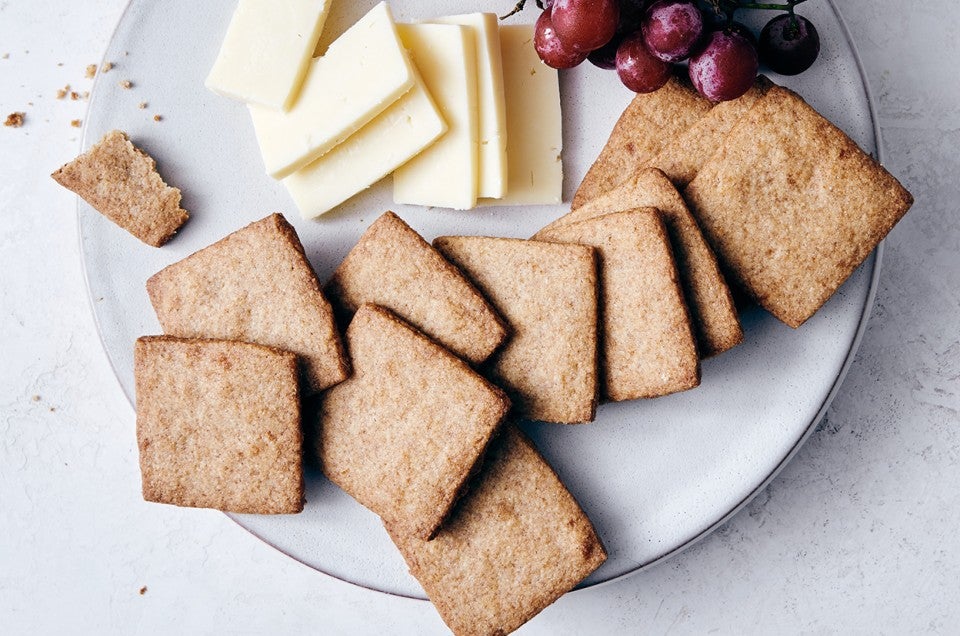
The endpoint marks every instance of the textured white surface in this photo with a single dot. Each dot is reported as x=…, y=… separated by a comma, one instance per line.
x=856, y=535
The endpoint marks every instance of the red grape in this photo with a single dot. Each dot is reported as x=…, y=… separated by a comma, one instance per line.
x=551, y=50
x=726, y=67
x=585, y=25
x=638, y=69
x=789, y=44
x=672, y=28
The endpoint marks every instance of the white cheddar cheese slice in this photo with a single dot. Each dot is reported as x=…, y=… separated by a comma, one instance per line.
x=364, y=71
x=445, y=174
x=391, y=139
x=267, y=50
x=534, y=123
x=492, y=180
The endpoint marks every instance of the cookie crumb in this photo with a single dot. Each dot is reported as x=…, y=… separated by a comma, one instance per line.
x=126, y=84
x=86, y=95
x=142, y=105
x=107, y=66
x=157, y=118
x=35, y=398
x=75, y=123
x=63, y=92
x=143, y=590
x=14, y=120
x=74, y=95
x=53, y=409
x=91, y=71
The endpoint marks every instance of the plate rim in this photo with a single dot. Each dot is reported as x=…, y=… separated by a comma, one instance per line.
x=866, y=312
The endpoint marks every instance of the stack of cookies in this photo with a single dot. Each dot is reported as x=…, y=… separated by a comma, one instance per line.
x=789, y=204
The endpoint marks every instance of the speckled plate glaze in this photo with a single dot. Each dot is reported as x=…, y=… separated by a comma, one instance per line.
x=654, y=476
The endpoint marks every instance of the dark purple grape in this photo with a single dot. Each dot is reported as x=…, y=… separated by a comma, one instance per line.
x=672, y=28
x=638, y=69
x=549, y=47
x=725, y=68
x=606, y=56
x=742, y=29
x=789, y=44
x=631, y=15
x=585, y=25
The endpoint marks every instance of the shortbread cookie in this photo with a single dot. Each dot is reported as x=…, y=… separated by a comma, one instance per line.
x=547, y=293
x=403, y=434
x=255, y=285
x=121, y=182
x=218, y=425
x=792, y=206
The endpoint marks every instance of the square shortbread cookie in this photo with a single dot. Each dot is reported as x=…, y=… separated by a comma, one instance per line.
x=218, y=425
x=648, y=346
x=392, y=266
x=515, y=543
x=255, y=285
x=792, y=206
x=711, y=304
x=403, y=434
x=547, y=292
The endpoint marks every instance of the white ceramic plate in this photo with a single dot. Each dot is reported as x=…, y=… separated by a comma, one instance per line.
x=654, y=476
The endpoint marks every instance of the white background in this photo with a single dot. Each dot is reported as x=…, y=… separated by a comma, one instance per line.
x=857, y=535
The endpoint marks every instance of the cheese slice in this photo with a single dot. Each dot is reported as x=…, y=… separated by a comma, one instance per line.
x=492, y=180
x=364, y=71
x=534, y=122
x=445, y=174
x=394, y=136
x=267, y=50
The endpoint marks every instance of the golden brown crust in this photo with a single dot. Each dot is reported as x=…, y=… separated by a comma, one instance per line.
x=648, y=124
x=792, y=206
x=708, y=297
x=682, y=158
x=254, y=285
x=403, y=434
x=218, y=425
x=648, y=346
x=548, y=294
x=515, y=544
x=121, y=182
x=392, y=266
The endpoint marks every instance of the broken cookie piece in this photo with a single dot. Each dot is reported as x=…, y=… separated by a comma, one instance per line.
x=121, y=182
x=218, y=425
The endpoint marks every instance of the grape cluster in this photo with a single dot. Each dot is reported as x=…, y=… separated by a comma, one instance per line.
x=643, y=39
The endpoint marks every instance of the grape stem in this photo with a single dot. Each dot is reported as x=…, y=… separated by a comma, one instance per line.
x=517, y=8
x=729, y=6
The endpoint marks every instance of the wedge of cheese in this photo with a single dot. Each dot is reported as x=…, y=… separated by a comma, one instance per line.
x=391, y=139
x=364, y=71
x=267, y=50
x=534, y=123
x=492, y=180
x=445, y=174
